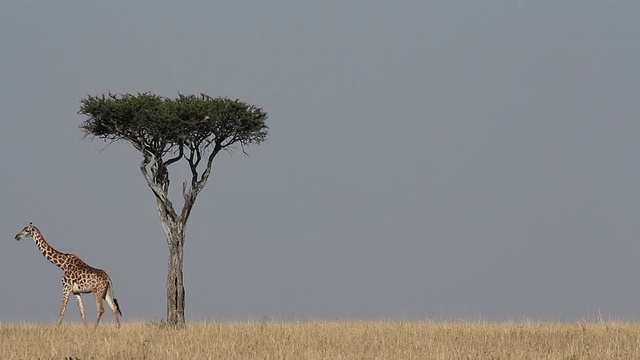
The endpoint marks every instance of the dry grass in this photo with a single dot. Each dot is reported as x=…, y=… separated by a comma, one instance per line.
x=325, y=340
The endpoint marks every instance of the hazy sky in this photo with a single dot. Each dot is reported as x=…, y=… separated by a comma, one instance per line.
x=426, y=160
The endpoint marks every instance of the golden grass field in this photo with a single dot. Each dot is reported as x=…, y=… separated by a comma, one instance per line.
x=325, y=340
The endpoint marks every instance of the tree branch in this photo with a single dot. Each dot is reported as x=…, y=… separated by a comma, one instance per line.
x=205, y=175
x=158, y=190
x=177, y=157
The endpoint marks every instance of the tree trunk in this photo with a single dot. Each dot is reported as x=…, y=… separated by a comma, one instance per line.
x=174, y=229
x=175, y=225
x=175, y=286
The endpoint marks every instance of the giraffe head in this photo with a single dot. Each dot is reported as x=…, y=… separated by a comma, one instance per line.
x=27, y=231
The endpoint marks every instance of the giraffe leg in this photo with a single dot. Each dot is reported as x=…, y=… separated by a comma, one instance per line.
x=65, y=298
x=100, y=307
x=79, y=301
x=113, y=305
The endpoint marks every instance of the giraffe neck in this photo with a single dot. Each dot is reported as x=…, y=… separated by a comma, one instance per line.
x=54, y=256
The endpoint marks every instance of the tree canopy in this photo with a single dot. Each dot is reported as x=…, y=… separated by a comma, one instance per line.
x=159, y=124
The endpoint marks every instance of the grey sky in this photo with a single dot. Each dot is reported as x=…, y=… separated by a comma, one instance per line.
x=426, y=159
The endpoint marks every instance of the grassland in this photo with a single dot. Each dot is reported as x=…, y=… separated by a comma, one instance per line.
x=325, y=340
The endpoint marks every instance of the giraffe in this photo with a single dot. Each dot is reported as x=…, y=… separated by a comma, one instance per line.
x=78, y=278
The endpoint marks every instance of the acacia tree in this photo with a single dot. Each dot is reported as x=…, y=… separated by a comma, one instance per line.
x=189, y=128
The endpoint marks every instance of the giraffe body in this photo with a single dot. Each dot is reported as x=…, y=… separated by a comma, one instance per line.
x=78, y=278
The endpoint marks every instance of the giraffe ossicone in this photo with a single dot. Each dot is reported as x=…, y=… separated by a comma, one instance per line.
x=78, y=277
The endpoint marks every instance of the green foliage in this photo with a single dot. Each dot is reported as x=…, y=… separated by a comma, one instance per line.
x=162, y=124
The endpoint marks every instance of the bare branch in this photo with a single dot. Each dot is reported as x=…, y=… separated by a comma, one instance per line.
x=184, y=190
x=242, y=147
x=161, y=192
x=205, y=175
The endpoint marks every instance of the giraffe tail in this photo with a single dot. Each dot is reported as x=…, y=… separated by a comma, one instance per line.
x=115, y=301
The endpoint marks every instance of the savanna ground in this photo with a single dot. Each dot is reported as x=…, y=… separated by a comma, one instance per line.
x=325, y=340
